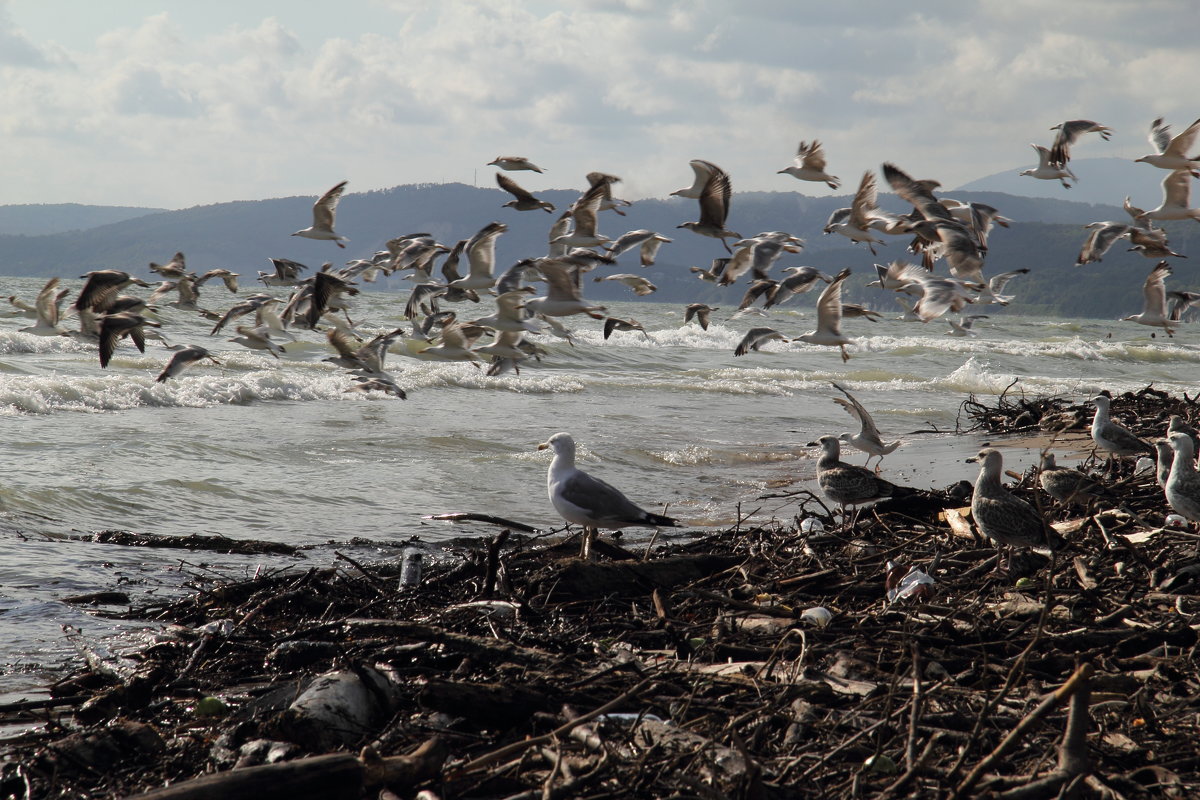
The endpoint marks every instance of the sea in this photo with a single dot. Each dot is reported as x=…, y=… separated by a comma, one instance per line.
x=278, y=450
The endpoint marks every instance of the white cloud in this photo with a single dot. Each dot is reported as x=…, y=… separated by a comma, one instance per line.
x=253, y=109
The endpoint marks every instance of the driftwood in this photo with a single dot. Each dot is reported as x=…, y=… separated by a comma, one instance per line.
x=586, y=580
x=698, y=668
x=338, y=776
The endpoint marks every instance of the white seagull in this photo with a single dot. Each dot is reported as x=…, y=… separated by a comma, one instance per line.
x=324, y=212
x=809, y=165
x=829, y=317
x=514, y=163
x=1154, y=306
x=867, y=439
x=1047, y=171
x=1172, y=152
x=1176, y=203
x=583, y=500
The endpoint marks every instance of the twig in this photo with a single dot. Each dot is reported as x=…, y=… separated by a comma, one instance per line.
x=517, y=747
x=1076, y=681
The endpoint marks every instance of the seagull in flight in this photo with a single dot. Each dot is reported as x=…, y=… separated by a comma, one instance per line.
x=809, y=165
x=1171, y=152
x=324, y=212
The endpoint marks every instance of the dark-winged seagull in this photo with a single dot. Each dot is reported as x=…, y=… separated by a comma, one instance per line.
x=1005, y=519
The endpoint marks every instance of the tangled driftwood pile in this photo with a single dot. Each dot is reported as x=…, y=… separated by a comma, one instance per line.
x=703, y=669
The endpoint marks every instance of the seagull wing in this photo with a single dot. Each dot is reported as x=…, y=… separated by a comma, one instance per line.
x=1177, y=188
x=856, y=410
x=829, y=305
x=714, y=198
x=325, y=209
x=1154, y=290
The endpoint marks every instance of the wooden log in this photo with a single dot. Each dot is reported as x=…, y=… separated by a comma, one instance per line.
x=584, y=580
x=336, y=776
x=489, y=704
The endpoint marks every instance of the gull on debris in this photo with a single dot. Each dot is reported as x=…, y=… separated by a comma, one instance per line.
x=584, y=500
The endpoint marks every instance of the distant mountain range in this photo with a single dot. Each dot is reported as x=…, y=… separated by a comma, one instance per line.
x=38, y=220
x=1045, y=236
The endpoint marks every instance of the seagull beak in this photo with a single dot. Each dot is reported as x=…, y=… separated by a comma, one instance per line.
x=544, y=446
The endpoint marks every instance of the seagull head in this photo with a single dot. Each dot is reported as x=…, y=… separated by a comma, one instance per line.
x=561, y=443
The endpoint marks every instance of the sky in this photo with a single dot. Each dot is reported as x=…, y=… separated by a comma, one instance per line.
x=177, y=104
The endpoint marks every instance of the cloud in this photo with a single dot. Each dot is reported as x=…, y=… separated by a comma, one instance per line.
x=636, y=88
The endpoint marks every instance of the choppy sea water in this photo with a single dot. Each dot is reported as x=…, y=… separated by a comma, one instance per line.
x=277, y=450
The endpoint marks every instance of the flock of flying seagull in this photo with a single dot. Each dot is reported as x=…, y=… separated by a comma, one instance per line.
x=956, y=232
x=941, y=229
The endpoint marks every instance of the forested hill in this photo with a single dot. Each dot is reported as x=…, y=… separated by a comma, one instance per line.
x=1045, y=236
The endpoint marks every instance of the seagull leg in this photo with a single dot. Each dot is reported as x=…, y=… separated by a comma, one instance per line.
x=585, y=547
x=845, y=355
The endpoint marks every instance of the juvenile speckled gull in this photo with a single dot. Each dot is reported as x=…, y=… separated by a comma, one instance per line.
x=847, y=484
x=1067, y=485
x=1108, y=435
x=1001, y=517
x=584, y=500
x=1183, y=486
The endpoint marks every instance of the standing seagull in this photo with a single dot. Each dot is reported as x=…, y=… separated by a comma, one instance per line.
x=714, y=204
x=809, y=165
x=829, y=318
x=1154, y=304
x=1001, y=517
x=867, y=439
x=588, y=501
x=1108, y=435
x=1183, y=486
x=182, y=359
x=1067, y=485
x=850, y=485
x=324, y=212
